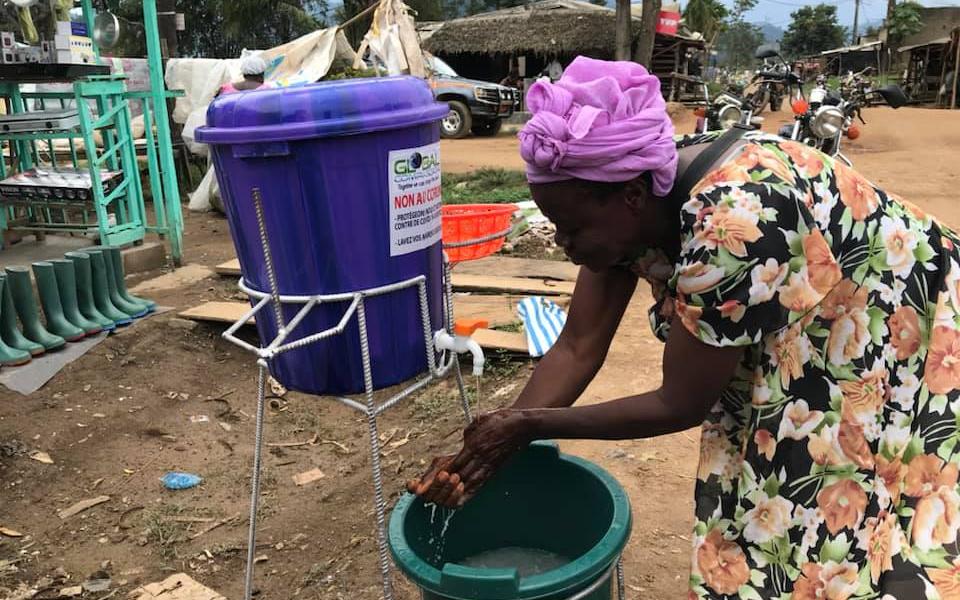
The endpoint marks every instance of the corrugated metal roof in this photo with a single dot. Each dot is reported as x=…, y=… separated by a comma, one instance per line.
x=936, y=42
x=845, y=49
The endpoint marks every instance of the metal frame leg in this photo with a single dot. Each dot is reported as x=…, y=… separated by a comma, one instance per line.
x=255, y=491
x=380, y=504
x=464, y=400
x=448, y=300
x=621, y=590
x=369, y=408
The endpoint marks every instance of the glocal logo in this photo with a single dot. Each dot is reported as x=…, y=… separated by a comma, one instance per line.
x=415, y=162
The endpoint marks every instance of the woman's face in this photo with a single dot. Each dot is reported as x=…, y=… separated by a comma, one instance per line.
x=598, y=226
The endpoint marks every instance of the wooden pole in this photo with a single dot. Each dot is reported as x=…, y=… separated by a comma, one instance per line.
x=624, y=31
x=856, y=21
x=359, y=16
x=648, y=33
x=956, y=68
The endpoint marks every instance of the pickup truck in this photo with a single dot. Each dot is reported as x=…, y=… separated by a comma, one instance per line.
x=475, y=106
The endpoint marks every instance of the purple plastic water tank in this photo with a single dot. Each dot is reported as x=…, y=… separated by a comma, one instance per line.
x=349, y=172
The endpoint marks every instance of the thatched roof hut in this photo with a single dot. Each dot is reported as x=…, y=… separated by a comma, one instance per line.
x=485, y=45
x=552, y=27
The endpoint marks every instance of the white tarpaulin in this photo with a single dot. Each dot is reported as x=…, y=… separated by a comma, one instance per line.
x=393, y=41
x=304, y=60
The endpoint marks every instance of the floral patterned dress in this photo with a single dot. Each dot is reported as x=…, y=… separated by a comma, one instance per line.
x=828, y=469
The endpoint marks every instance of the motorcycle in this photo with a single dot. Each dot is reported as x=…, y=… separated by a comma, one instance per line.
x=826, y=116
x=773, y=81
x=722, y=112
x=857, y=86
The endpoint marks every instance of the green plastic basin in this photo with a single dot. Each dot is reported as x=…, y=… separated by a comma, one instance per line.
x=541, y=500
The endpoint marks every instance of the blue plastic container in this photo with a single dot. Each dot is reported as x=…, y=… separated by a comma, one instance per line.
x=349, y=173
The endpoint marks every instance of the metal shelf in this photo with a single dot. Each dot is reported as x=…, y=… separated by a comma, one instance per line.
x=49, y=72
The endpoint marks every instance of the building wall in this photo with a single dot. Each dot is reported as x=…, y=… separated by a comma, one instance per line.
x=938, y=22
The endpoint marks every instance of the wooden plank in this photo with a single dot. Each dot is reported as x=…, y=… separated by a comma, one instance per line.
x=491, y=339
x=231, y=268
x=218, y=312
x=176, y=587
x=508, y=266
x=515, y=285
x=230, y=312
x=81, y=506
x=498, y=310
x=504, y=266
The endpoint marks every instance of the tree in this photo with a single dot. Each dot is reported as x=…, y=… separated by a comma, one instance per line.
x=905, y=20
x=812, y=30
x=624, y=33
x=648, y=32
x=346, y=11
x=707, y=17
x=427, y=10
x=739, y=40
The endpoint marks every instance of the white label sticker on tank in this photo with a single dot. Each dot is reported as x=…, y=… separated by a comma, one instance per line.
x=414, y=176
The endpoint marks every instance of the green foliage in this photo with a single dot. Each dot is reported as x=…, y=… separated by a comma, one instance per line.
x=705, y=16
x=905, y=20
x=741, y=8
x=738, y=40
x=346, y=11
x=41, y=19
x=485, y=186
x=350, y=73
x=214, y=28
x=812, y=30
x=427, y=10
x=262, y=24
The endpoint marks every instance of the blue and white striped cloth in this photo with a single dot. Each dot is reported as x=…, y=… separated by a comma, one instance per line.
x=543, y=320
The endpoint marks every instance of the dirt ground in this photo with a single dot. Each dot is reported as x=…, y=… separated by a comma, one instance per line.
x=116, y=420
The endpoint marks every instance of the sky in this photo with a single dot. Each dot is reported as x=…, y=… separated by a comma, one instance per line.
x=777, y=12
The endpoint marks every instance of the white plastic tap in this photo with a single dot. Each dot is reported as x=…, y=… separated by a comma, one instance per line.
x=461, y=342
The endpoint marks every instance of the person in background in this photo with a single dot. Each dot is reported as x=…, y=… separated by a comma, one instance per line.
x=512, y=79
x=554, y=70
x=253, y=68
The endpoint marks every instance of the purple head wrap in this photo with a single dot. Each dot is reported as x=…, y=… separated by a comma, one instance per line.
x=602, y=121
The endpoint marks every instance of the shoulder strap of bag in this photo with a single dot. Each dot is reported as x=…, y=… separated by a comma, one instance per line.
x=704, y=161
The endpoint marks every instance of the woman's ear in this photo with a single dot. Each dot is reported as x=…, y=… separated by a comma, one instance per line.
x=636, y=192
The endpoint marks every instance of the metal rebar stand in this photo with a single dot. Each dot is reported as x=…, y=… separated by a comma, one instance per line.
x=437, y=367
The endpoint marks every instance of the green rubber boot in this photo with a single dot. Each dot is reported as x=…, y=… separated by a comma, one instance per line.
x=67, y=285
x=18, y=280
x=133, y=310
x=8, y=323
x=120, y=276
x=88, y=307
x=101, y=291
x=11, y=356
x=57, y=322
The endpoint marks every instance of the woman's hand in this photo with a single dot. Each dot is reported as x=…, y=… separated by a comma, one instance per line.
x=487, y=443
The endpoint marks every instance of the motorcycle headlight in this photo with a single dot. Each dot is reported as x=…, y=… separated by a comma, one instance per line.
x=729, y=116
x=827, y=122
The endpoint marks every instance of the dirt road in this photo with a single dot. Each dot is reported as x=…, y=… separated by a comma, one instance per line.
x=118, y=418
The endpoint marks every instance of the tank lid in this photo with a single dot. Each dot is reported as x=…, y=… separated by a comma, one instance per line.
x=327, y=109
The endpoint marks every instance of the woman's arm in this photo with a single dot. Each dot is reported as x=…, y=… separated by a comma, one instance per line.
x=598, y=303
x=694, y=376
